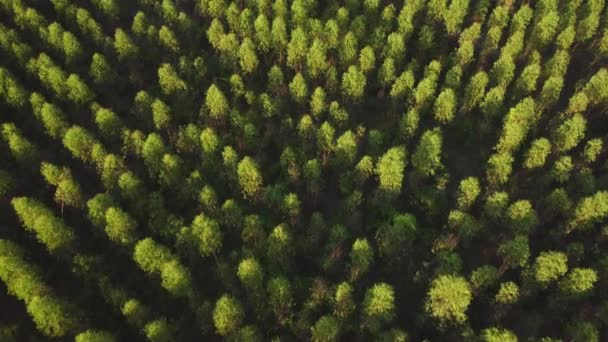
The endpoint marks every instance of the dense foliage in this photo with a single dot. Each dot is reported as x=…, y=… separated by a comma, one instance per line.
x=290, y=170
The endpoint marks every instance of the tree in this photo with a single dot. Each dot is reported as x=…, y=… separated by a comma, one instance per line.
x=483, y=277
x=394, y=235
x=49, y=229
x=207, y=235
x=515, y=252
x=342, y=301
x=537, y=154
x=516, y=126
x=468, y=190
x=445, y=106
x=589, y=210
x=499, y=168
x=583, y=331
x=168, y=40
x=427, y=157
x=521, y=217
x=297, y=47
x=51, y=316
x=549, y=267
x=390, y=168
x=448, y=299
x=280, y=298
x=216, y=103
x=378, y=306
x=298, y=89
x=361, y=258
x=251, y=274
x=176, y=278
x=508, y=293
x=79, y=142
x=158, y=331
x=250, y=178
x=247, y=57
x=120, y=226
x=101, y=71
x=22, y=149
x=570, y=133
x=108, y=122
x=150, y=255
x=327, y=328
x=498, y=335
x=124, y=45
x=593, y=148
x=578, y=282
x=77, y=91
x=316, y=60
x=169, y=80
x=353, y=83
x=279, y=248
x=561, y=169
x=94, y=336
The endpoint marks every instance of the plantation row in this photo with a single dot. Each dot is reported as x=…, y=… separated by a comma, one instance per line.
x=281, y=170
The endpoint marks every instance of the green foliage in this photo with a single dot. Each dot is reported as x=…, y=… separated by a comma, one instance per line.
x=94, y=336
x=537, y=154
x=51, y=316
x=508, y=293
x=448, y=299
x=378, y=306
x=254, y=152
x=427, y=157
x=49, y=229
x=498, y=334
x=250, y=177
x=468, y=190
x=390, y=168
x=120, y=226
x=327, y=328
x=549, y=267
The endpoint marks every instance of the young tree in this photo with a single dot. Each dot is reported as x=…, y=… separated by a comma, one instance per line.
x=251, y=274
x=250, y=178
x=445, y=106
x=537, y=154
x=206, y=235
x=120, y=226
x=353, y=83
x=101, y=71
x=514, y=253
x=22, y=149
x=474, y=91
x=94, y=336
x=49, y=229
x=498, y=335
x=125, y=48
x=390, y=168
x=570, y=133
x=169, y=80
x=361, y=258
x=298, y=89
x=499, y=168
x=378, y=306
x=393, y=236
x=280, y=298
x=448, y=299
x=216, y=103
x=327, y=328
x=427, y=157
x=549, y=267
x=468, y=191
